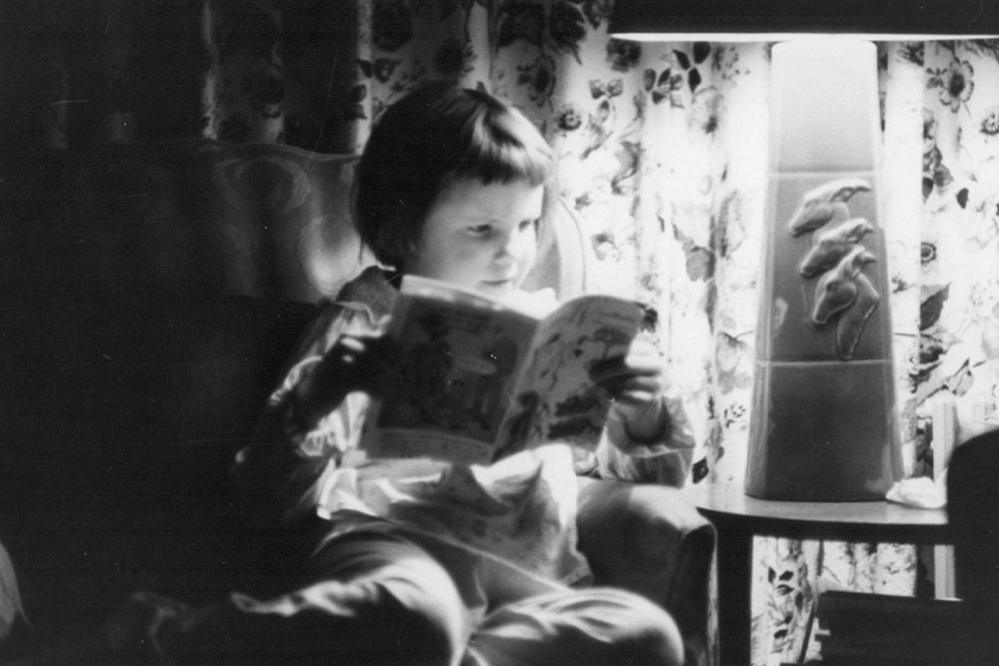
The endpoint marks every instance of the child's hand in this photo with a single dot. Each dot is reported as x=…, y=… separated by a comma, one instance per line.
x=354, y=363
x=635, y=383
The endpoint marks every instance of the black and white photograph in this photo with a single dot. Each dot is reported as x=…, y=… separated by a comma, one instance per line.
x=234, y=431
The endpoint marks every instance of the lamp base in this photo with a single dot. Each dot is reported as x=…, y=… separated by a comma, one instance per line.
x=823, y=432
x=823, y=422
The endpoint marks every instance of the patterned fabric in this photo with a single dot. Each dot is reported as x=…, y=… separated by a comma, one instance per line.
x=245, y=98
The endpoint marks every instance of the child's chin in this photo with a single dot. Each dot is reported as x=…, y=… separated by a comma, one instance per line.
x=537, y=304
x=497, y=290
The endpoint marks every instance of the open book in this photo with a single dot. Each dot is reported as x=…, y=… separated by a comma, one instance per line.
x=480, y=380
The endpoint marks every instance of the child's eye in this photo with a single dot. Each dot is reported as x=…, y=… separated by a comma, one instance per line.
x=480, y=229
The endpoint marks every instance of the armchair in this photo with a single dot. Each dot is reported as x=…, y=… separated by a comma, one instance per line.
x=973, y=511
x=147, y=319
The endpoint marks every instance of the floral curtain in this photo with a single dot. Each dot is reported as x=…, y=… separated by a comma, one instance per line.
x=661, y=154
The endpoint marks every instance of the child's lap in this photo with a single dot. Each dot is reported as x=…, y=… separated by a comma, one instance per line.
x=375, y=548
x=507, y=614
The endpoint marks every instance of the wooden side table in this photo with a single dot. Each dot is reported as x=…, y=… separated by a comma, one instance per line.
x=738, y=518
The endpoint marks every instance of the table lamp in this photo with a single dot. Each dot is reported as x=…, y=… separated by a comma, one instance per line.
x=823, y=425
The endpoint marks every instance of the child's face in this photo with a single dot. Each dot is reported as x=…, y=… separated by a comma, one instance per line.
x=481, y=237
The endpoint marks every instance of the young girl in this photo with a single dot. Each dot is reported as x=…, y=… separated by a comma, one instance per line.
x=424, y=561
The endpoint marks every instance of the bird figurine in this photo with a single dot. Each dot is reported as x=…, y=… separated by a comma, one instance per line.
x=837, y=289
x=825, y=204
x=830, y=245
x=850, y=325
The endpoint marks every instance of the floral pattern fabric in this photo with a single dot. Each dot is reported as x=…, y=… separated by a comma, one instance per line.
x=662, y=150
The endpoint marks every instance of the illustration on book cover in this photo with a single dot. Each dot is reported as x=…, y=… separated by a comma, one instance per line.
x=480, y=380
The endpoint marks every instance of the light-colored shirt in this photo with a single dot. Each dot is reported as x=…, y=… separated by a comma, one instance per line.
x=521, y=508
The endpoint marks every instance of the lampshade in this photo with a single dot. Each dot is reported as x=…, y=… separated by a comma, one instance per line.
x=776, y=20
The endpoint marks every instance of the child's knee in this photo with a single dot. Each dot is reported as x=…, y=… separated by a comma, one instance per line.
x=412, y=611
x=423, y=634
x=427, y=611
x=635, y=630
x=395, y=589
x=389, y=602
x=650, y=635
x=388, y=621
x=594, y=626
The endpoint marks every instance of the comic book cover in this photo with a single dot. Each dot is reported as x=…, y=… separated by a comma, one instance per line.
x=480, y=380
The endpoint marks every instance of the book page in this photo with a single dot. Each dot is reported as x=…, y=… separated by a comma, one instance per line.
x=460, y=354
x=556, y=400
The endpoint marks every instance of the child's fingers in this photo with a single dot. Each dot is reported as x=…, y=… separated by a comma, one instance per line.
x=642, y=358
x=348, y=349
x=355, y=362
x=620, y=366
x=613, y=371
x=633, y=388
x=635, y=399
x=369, y=351
x=633, y=384
x=636, y=381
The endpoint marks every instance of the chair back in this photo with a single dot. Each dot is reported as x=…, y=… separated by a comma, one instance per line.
x=973, y=510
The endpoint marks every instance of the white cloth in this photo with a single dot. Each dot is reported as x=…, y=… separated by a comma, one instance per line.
x=920, y=492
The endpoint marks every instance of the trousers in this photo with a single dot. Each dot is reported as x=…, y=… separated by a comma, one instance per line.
x=388, y=597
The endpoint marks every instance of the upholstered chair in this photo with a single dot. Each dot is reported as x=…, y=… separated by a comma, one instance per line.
x=154, y=312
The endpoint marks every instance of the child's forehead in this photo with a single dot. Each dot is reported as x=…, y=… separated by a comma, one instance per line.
x=472, y=187
x=471, y=196
x=477, y=182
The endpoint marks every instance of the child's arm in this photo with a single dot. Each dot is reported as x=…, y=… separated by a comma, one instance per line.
x=355, y=362
x=647, y=437
x=296, y=442
x=635, y=382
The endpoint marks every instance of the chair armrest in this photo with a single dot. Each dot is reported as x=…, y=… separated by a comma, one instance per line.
x=651, y=540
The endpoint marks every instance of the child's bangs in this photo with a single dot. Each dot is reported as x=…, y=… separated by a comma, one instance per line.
x=507, y=149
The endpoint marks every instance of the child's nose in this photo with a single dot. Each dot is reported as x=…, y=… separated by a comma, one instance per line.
x=513, y=243
x=507, y=246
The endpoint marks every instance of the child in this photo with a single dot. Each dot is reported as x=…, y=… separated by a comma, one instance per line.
x=418, y=561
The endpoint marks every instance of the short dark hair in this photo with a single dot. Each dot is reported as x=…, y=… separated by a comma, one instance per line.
x=436, y=134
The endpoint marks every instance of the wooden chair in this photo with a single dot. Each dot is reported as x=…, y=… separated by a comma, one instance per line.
x=973, y=510
x=874, y=630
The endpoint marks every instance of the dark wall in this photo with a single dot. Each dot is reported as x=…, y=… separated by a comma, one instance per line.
x=180, y=68
x=90, y=58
